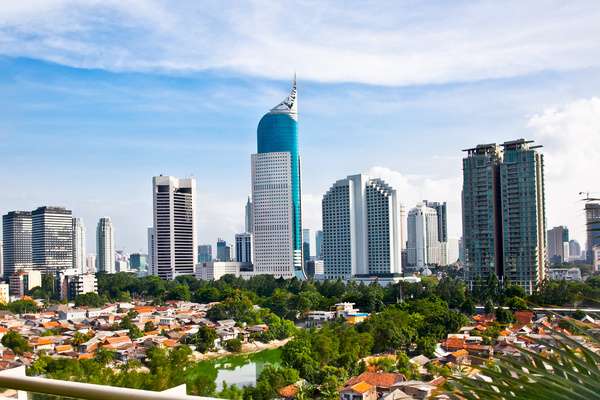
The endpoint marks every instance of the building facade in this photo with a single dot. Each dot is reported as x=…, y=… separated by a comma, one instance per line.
x=306, y=244
x=276, y=200
x=504, y=223
x=361, y=229
x=224, y=251
x=558, y=245
x=175, y=243
x=215, y=270
x=105, y=246
x=79, y=245
x=52, y=239
x=423, y=247
x=574, y=250
x=139, y=263
x=248, y=216
x=243, y=248
x=204, y=253
x=16, y=242
x=319, y=244
x=592, y=227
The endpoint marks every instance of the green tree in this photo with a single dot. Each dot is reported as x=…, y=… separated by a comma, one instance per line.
x=14, y=341
x=204, y=339
x=504, y=316
x=233, y=345
x=89, y=300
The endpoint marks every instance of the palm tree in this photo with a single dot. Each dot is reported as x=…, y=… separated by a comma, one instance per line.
x=566, y=370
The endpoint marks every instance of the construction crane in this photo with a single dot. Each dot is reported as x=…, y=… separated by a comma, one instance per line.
x=587, y=198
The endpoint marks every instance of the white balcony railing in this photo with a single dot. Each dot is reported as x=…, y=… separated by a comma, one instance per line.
x=16, y=378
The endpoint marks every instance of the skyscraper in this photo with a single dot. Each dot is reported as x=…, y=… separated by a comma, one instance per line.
x=139, y=262
x=248, y=216
x=204, y=253
x=175, y=249
x=16, y=242
x=558, y=245
x=52, y=239
x=105, y=246
x=442, y=218
x=574, y=250
x=224, y=251
x=306, y=244
x=319, y=244
x=243, y=248
x=276, y=189
x=361, y=228
x=151, y=270
x=1, y=258
x=79, y=246
x=592, y=224
x=504, y=222
x=423, y=247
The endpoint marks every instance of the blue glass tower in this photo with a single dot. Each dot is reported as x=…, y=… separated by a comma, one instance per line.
x=278, y=132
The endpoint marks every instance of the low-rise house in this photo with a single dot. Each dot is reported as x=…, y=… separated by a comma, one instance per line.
x=383, y=381
x=417, y=389
x=72, y=314
x=359, y=391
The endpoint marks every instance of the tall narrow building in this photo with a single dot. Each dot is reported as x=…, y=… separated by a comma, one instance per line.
x=79, y=246
x=558, y=245
x=204, y=253
x=16, y=242
x=248, y=216
x=361, y=229
x=592, y=225
x=175, y=248
x=306, y=244
x=442, y=218
x=504, y=219
x=52, y=239
x=423, y=247
x=105, y=246
x=151, y=242
x=276, y=200
x=319, y=244
x=224, y=251
x=243, y=248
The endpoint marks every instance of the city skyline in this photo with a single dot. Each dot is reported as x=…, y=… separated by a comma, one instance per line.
x=114, y=122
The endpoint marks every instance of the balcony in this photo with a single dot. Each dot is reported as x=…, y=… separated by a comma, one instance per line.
x=16, y=379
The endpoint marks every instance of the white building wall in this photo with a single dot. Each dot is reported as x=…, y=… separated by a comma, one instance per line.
x=105, y=246
x=79, y=261
x=423, y=246
x=272, y=214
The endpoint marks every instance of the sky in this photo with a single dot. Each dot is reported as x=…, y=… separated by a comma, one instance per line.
x=96, y=97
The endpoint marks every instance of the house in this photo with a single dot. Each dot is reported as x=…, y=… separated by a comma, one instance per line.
x=72, y=314
x=317, y=318
x=383, y=381
x=359, y=391
x=459, y=357
x=417, y=389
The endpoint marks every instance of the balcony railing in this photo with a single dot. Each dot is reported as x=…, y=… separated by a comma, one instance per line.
x=16, y=378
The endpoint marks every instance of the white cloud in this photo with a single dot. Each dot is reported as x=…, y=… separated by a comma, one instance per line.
x=570, y=135
x=379, y=43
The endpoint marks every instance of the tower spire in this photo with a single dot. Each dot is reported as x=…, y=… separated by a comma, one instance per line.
x=290, y=103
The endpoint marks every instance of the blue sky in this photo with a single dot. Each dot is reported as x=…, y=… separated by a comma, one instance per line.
x=97, y=97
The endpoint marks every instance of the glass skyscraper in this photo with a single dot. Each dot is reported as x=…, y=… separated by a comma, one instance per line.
x=277, y=185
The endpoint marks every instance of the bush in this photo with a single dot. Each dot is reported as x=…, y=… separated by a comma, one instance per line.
x=233, y=345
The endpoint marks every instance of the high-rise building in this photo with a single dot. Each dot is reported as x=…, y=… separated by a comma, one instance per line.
x=175, y=249
x=481, y=212
x=361, y=229
x=558, y=244
x=306, y=244
x=1, y=258
x=79, y=245
x=504, y=223
x=592, y=224
x=224, y=251
x=442, y=218
x=276, y=201
x=243, y=248
x=105, y=246
x=204, y=253
x=248, y=216
x=319, y=245
x=574, y=250
x=423, y=247
x=403, y=229
x=139, y=262
x=16, y=242
x=52, y=239
x=150, y=234
x=90, y=263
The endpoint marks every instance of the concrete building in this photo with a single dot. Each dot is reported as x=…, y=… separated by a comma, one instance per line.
x=423, y=247
x=276, y=201
x=596, y=258
x=150, y=235
x=175, y=242
x=4, y=293
x=442, y=218
x=52, y=239
x=139, y=262
x=306, y=244
x=105, y=246
x=21, y=282
x=314, y=268
x=204, y=253
x=70, y=283
x=558, y=245
x=16, y=242
x=319, y=244
x=224, y=251
x=214, y=270
x=450, y=252
x=90, y=264
x=592, y=224
x=574, y=250
x=243, y=248
x=564, y=274
x=504, y=220
x=1, y=258
x=248, y=216
x=361, y=228
x=79, y=245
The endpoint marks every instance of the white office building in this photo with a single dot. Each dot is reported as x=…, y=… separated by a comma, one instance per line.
x=243, y=248
x=52, y=239
x=423, y=247
x=361, y=229
x=79, y=262
x=90, y=264
x=105, y=246
x=175, y=243
x=214, y=270
x=272, y=204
